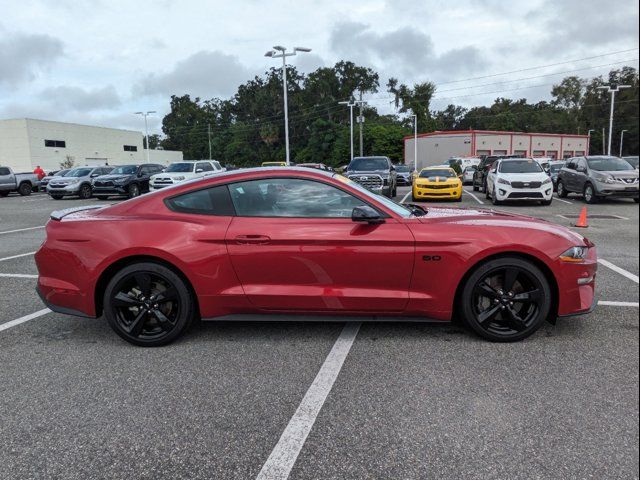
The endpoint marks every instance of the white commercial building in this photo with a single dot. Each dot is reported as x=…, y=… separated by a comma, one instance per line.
x=436, y=148
x=26, y=143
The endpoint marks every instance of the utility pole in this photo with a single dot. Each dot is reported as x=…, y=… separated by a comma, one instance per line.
x=604, y=141
x=283, y=54
x=589, y=136
x=415, y=143
x=612, y=89
x=146, y=128
x=209, y=138
x=361, y=122
x=622, y=140
x=351, y=103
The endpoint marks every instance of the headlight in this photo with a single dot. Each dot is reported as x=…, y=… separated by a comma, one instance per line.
x=604, y=178
x=575, y=255
x=73, y=182
x=547, y=181
x=120, y=181
x=503, y=181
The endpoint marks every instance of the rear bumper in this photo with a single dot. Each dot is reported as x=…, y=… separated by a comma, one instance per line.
x=58, y=309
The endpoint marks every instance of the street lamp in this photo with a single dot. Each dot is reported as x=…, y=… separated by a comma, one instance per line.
x=612, y=89
x=589, y=135
x=283, y=54
x=622, y=140
x=415, y=143
x=146, y=128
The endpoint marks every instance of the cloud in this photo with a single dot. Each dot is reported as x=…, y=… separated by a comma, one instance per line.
x=616, y=23
x=403, y=52
x=204, y=74
x=79, y=99
x=22, y=56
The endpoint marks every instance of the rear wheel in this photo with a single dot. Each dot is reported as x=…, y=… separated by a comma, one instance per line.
x=134, y=190
x=148, y=304
x=562, y=191
x=85, y=191
x=475, y=187
x=494, y=199
x=506, y=299
x=24, y=189
x=590, y=194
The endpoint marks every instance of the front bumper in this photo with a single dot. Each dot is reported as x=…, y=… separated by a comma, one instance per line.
x=112, y=190
x=621, y=190
x=450, y=193
x=63, y=190
x=508, y=193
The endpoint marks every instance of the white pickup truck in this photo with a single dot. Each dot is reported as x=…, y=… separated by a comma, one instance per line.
x=23, y=183
x=186, y=170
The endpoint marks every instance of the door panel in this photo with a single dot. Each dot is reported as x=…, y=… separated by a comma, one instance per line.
x=322, y=264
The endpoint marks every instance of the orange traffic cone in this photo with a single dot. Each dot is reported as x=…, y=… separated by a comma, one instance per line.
x=582, y=221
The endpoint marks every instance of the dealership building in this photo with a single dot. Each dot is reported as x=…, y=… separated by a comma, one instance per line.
x=437, y=147
x=26, y=143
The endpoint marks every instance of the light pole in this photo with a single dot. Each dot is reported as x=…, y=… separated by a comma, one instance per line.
x=415, y=143
x=283, y=54
x=622, y=140
x=589, y=136
x=604, y=141
x=146, y=128
x=351, y=103
x=612, y=89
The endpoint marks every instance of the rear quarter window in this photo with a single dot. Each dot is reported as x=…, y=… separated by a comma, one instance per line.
x=209, y=201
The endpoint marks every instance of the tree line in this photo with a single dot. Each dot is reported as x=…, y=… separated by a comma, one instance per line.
x=248, y=128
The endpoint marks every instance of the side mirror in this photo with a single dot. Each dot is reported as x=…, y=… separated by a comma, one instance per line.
x=393, y=168
x=366, y=214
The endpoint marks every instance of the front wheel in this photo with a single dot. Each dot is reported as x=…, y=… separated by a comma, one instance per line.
x=85, y=192
x=590, y=194
x=506, y=300
x=56, y=197
x=546, y=203
x=562, y=191
x=134, y=190
x=148, y=304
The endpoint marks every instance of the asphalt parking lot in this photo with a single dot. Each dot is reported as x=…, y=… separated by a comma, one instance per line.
x=410, y=400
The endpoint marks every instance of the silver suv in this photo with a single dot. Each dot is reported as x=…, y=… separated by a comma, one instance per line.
x=76, y=181
x=598, y=177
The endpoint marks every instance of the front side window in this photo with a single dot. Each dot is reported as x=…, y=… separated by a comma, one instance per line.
x=520, y=166
x=4, y=171
x=204, y=166
x=180, y=167
x=288, y=197
x=208, y=201
x=79, y=172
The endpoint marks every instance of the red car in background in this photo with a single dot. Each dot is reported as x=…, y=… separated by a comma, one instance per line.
x=305, y=242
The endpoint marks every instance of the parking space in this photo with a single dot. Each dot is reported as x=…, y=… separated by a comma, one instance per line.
x=410, y=401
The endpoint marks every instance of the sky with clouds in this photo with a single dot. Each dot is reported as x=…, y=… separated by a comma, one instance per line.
x=97, y=61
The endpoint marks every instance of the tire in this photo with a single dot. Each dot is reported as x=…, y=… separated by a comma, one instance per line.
x=475, y=187
x=24, y=189
x=102, y=197
x=546, y=203
x=561, y=190
x=637, y=200
x=136, y=310
x=506, y=299
x=85, y=191
x=4, y=194
x=57, y=197
x=590, y=194
x=133, y=190
x=483, y=187
x=494, y=200
x=459, y=199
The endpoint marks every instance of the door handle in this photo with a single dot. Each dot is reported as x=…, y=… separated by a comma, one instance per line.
x=252, y=240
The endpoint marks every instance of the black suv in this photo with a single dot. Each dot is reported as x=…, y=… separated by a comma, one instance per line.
x=374, y=173
x=480, y=175
x=129, y=180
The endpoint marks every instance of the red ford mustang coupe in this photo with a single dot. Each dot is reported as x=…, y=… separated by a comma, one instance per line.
x=305, y=242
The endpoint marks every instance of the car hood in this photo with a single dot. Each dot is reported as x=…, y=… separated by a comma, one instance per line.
x=172, y=174
x=619, y=173
x=497, y=219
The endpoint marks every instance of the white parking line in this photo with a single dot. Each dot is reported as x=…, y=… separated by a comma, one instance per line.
x=619, y=270
x=17, y=275
x=26, y=318
x=476, y=198
x=16, y=256
x=405, y=197
x=619, y=304
x=21, y=229
x=561, y=200
x=279, y=464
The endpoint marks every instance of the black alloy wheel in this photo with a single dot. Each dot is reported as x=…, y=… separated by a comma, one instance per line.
x=134, y=190
x=85, y=191
x=506, y=300
x=148, y=304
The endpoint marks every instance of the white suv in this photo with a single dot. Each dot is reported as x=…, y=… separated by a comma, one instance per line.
x=519, y=179
x=178, y=172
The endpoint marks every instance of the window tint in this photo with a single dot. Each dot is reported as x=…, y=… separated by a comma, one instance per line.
x=4, y=171
x=209, y=201
x=369, y=164
x=287, y=197
x=204, y=166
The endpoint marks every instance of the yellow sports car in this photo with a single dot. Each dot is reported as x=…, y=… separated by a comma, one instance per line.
x=274, y=164
x=437, y=182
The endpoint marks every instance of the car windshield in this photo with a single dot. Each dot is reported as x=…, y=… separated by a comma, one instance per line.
x=556, y=167
x=180, y=167
x=369, y=164
x=61, y=173
x=444, y=172
x=633, y=161
x=401, y=210
x=608, y=164
x=79, y=172
x=402, y=169
x=124, y=170
x=520, y=166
